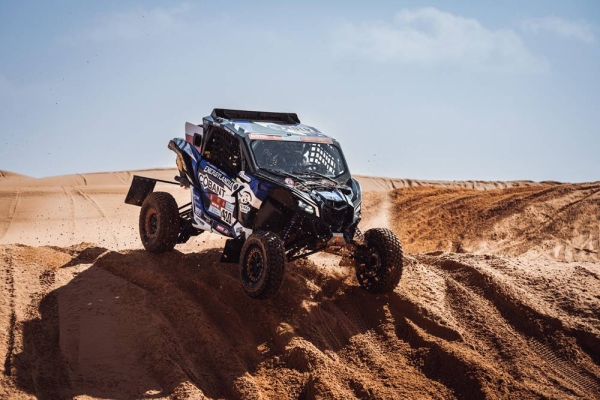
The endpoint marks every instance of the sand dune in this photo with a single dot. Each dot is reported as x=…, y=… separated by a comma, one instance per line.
x=8, y=175
x=487, y=307
x=371, y=183
x=546, y=221
x=66, y=210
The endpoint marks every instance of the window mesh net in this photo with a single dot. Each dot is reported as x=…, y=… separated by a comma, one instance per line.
x=223, y=150
x=325, y=155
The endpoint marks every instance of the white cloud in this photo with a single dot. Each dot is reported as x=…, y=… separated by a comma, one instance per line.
x=428, y=36
x=138, y=23
x=579, y=30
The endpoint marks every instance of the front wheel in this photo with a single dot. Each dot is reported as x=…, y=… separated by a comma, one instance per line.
x=262, y=265
x=379, y=266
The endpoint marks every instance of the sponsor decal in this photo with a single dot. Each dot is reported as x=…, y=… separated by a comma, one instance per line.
x=217, y=201
x=333, y=196
x=245, y=208
x=245, y=197
x=222, y=229
x=303, y=129
x=201, y=219
x=260, y=136
x=212, y=186
x=214, y=210
x=222, y=208
x=310, y=139
x=219, y=176
x=205, y=218
x=197, y=203
x=238, y=230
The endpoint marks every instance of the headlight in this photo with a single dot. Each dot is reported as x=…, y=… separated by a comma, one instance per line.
x=306, y=207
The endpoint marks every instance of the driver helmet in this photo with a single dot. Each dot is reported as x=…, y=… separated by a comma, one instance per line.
x=292, y=152
x=278, y=153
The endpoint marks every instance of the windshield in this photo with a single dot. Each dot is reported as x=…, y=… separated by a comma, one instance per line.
x=299, y=158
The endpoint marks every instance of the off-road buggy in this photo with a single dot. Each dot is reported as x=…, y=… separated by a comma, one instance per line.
x=278, y=189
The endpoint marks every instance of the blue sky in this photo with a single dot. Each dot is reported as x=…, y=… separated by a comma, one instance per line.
x=427, y=90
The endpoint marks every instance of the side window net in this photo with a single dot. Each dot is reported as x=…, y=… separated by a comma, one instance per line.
x=223, y=150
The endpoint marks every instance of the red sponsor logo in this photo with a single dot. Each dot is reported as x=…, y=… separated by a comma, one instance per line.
x=222, y=229
x=217, y=201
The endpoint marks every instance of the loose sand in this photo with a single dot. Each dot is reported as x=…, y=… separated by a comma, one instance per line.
x=500, y=298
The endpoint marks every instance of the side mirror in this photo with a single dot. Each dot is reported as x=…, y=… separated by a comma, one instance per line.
x=197, y=139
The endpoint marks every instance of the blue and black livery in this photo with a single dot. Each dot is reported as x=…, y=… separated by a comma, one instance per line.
x=277, y=188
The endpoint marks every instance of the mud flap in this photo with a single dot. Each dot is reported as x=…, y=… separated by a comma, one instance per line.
x=232, y=250
x=186, y=230
x=140, y=188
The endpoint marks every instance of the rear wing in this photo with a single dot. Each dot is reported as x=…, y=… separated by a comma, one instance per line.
x=140, y=188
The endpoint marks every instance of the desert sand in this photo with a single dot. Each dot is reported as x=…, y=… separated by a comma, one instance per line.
x=499, y=298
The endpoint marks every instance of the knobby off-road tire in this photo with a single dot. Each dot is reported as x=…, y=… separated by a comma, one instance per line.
x=159, y=222
x=262, y=265
x=383, y=269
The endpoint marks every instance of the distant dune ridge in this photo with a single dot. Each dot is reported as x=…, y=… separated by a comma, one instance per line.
x=555, y=220
x=4, y=175
x=499, y=298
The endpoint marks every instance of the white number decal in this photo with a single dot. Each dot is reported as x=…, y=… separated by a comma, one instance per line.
x=226, y=216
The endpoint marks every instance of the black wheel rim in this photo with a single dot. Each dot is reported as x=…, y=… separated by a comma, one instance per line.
x=151, y=223
x=370, y=270
x=254, y=266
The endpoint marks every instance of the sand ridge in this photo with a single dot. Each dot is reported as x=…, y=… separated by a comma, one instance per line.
x=543, y=221
x=495, y=300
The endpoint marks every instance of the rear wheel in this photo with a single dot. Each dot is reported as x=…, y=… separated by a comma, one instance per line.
x=262, y=265
x=380, y=266
x=159, y=222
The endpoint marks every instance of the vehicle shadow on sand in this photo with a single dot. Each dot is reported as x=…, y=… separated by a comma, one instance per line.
x=139, y=325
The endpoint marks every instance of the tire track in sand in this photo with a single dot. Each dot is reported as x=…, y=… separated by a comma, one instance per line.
x=71, y=212
x=11, y=214
x=562, y=368
x=100, y=210
x=509, y=313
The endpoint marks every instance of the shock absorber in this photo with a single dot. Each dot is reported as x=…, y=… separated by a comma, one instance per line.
x=288, y=229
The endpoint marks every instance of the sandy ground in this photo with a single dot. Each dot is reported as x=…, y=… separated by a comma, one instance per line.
x=500, y=298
